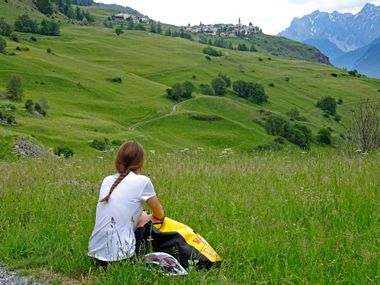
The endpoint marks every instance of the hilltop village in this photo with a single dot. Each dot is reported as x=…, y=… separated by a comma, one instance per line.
x=224, y=30
x=221, y=30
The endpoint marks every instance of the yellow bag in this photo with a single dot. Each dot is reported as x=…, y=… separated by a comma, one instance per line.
x=180, y=241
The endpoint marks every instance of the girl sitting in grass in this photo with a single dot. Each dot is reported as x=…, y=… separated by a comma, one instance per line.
x=120, y=208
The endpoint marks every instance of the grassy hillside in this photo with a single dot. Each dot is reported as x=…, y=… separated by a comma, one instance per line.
x=84, y=105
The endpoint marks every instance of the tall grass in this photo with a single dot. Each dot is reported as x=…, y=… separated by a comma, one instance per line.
x=273, y=218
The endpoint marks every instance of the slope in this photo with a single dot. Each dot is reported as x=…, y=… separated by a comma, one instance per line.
x=85, y=105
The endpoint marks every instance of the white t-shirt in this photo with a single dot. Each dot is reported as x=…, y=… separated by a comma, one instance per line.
x=113, y=236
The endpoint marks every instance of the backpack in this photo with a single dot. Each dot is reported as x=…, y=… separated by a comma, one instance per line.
x=178, y=240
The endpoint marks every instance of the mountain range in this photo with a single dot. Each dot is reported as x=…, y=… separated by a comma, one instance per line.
x=350, y=40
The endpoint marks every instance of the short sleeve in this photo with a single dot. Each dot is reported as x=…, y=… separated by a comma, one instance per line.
x=148, y=191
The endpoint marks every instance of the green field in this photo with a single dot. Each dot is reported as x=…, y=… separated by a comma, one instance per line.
x=274, y=219
x=84, y=105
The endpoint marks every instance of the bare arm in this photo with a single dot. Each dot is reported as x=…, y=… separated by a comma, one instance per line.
x=158, y=211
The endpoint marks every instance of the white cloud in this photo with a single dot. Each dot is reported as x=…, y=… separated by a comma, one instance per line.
x=271, y=15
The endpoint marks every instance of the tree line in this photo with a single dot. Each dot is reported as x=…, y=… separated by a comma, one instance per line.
x=48, y=7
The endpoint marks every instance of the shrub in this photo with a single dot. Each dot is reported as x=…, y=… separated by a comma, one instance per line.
x=41, y=107
x=298, y=134
x=14, y=37
x=64, y=151
x=49, y=28
x=207, y=57
x=253, y=92
x=328, y=104
x=99, y=144
x=25, y=24
x=29, y=105
x=118, y=31
x=206, y=89
x=219, y=86
x=287, y=79
x=188, y=89
x=180, y=92
x=340, y=101
x=15, y=89
x=242, y=47
x=324, y=136
x=5, y=28
x=212, y=52
x=49, y=50
x=253, y=48
x=226, y=79
x=33, y=39
x=204, y=117
x=3, y=45
x=271, y=84
x=115, y=79
x=334, y=75
x=293, y=114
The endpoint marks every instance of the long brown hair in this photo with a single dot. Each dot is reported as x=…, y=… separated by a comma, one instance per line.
x=130, y=157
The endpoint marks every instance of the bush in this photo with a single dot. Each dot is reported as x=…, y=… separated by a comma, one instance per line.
x=324, y=136
x=118, y=31
x=206, y=89
x=219, y=86
x=41, y=107
x=271, y=84
x=328, y=104
x=212, y=52
x=15, y=89
x=63, y=151
x=115, y=80
x=298, y=134
x=293, y=114
x=340, y=101
x=204, y=117
x=5, y=28
x=49, y=50
x=25, y=24
x=334, y=75
x=207, y=57
x=49, y=28
x=242, y=47
x=3, y=45
x=29, y=105
x=180, y=92
x=14, y=37
x=226, y=79
x=33, y=39
x=253, y=92
x=99, y=145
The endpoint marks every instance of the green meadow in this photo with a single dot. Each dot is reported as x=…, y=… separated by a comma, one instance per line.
x=274, y=219
x=288, y=217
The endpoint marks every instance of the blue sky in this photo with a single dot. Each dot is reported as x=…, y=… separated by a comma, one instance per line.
x=272, y=16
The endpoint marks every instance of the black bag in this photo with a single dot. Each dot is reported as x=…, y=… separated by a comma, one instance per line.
x=178, y=240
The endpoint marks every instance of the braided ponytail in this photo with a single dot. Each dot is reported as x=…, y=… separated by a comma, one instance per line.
x=130, y=157
x=114, y=185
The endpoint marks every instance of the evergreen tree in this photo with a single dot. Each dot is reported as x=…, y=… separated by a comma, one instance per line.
x=45, y=7
x=3, y=45
x=15, y=89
